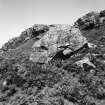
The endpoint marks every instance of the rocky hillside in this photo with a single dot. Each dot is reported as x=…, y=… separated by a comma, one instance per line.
x=55, y=64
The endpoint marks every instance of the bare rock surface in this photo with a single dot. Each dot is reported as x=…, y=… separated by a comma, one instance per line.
x=59, y=37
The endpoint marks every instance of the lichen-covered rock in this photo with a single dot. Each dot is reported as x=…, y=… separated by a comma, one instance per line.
x=59, y=37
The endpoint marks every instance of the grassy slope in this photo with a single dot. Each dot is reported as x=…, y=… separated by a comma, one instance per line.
x=57, y=83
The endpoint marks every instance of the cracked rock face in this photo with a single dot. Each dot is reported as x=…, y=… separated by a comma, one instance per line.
x=58, y=38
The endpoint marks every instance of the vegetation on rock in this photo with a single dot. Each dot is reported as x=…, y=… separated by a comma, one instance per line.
x=74, y=78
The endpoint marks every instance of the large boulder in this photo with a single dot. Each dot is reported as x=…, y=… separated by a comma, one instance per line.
x=58, y=38
x=32, y=32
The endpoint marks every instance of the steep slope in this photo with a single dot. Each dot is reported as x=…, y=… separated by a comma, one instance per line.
x=55, y=64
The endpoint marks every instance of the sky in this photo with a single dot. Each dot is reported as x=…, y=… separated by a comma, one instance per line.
x=18, y=15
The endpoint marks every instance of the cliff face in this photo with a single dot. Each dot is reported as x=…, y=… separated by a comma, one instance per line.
x=55, y=64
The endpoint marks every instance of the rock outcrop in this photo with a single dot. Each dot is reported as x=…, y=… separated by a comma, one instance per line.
x=58, y=38
x=49, y=40
x=55, y=64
